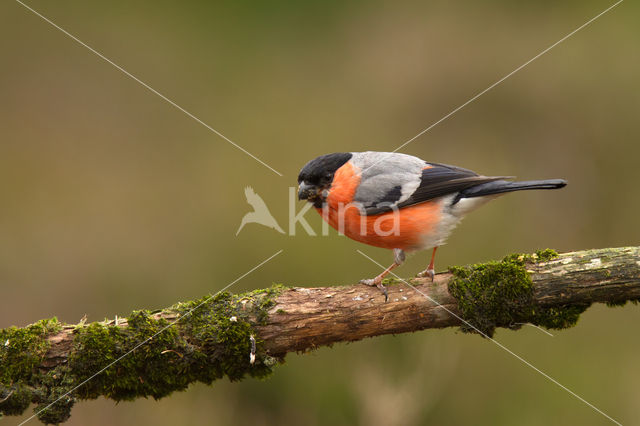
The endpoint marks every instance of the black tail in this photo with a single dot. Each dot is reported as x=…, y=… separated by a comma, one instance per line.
x=501, y=186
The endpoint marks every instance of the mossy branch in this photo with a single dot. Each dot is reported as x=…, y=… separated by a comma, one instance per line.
x=247, y=334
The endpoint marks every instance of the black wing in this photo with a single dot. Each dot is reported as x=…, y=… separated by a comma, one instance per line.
x=437, y=181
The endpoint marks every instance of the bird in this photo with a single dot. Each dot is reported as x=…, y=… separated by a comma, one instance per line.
x=399, y=202
x=260, y=213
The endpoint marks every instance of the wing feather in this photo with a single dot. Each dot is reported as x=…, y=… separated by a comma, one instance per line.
x=436, y=180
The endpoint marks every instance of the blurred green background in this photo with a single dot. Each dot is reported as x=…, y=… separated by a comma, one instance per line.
x=112, y=200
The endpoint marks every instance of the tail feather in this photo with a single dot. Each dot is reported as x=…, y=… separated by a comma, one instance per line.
x=502, y=186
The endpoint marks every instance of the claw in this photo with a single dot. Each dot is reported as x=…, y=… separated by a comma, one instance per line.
x=383, y=289
x=427, y=273
x=378, y=283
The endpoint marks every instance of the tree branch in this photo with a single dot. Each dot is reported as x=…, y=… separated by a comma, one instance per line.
x=213, y=337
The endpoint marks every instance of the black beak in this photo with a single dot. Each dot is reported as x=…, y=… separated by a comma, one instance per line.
x=306, y=191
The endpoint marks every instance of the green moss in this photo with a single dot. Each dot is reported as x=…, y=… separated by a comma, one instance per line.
x=53, y=396
x=21, y=351
x=210, y=323
x=500, y=294
x=206, y=340
x=390, y=281
x=620, y=303
x=138, y=369
x=539, y=256
x=209, y=340
x=15, y=399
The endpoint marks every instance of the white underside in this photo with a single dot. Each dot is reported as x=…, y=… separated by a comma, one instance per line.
x=451, y=217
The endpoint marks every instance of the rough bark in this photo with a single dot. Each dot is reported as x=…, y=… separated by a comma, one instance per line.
x=215, y=339
x=321, y=316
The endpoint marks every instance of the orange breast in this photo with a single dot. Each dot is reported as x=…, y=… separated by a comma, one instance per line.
x=404, y=229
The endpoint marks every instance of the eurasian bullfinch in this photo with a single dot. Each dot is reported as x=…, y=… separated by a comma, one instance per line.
x=398, y=201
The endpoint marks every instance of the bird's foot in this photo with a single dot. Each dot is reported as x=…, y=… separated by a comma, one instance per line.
x=427, y=273
x=377, y=281
x=370, y=281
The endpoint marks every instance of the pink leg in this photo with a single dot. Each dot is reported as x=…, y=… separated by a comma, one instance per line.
x=430, y=272
x=398, y=257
